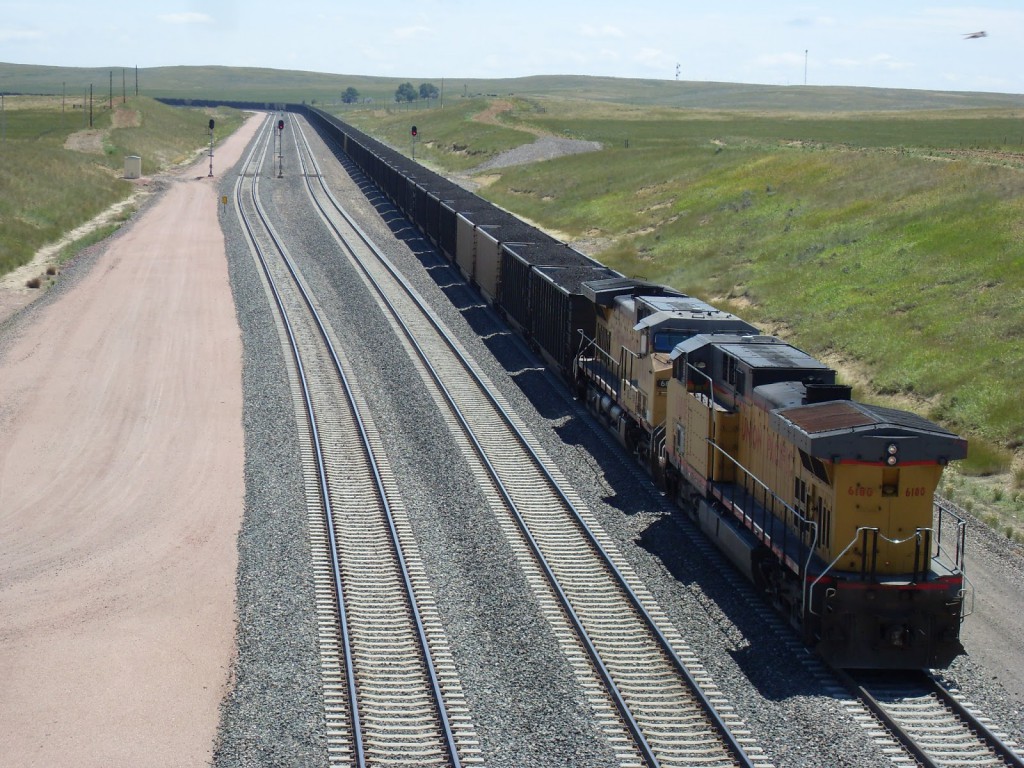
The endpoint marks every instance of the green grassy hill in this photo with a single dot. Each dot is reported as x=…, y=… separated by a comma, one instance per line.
x=887, y=243
x=59, y=172
x=274, y=86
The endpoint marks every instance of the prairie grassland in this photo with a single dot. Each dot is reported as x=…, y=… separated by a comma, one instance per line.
x=59, y=173
x=889, y=245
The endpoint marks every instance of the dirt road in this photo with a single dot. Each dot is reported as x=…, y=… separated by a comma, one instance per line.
x=121, y=492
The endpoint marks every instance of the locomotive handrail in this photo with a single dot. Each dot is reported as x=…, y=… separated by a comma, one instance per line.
x=919, y=534
x=803, y=523
x=945, y=509
x=607, y=366
x=831, y=566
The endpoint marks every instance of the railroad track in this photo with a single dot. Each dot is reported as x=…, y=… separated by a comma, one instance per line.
x=657, y=705
x=390, y=690
x=930, y=723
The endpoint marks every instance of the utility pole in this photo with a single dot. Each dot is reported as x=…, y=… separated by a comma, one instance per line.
x=805, y=66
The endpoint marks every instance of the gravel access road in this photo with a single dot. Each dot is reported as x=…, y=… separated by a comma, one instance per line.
x=121, y=493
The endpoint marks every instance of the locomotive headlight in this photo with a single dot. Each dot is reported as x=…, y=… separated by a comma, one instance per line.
x=892, y=450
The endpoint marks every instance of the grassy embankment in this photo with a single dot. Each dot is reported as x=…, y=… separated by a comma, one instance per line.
x=50, y=185
x=889, y=244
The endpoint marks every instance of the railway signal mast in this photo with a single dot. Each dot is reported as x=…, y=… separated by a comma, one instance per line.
x=211, y=146
x=413, y=132
x=280, y=153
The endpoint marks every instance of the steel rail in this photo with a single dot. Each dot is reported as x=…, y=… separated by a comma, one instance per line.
x=396, y=542
x=321, y=470
x=915, y=681
x=984, y=733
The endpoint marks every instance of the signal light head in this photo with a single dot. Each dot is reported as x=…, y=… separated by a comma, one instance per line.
x=414, y=130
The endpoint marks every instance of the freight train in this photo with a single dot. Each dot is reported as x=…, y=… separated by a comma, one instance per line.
x=826, y=504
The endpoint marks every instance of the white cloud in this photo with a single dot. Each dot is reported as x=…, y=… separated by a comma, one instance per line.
x=412, y=33
x=886, y=61
x=605, y=31
x=13, y=35
x=185, y=18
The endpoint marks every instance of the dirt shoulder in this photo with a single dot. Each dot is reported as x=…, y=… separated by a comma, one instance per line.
x=121, y=493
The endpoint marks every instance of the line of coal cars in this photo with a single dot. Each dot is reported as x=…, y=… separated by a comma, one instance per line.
x=825, y=503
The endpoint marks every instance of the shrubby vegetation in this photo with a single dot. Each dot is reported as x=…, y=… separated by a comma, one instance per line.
x=50, y=185
x=406, y=92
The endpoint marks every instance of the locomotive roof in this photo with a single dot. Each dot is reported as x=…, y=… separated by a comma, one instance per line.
x=757, y=352
x=714, y=319
x=604, y=292
x=847, y=430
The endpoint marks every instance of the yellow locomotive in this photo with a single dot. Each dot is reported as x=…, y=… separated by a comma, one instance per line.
x=825, y=503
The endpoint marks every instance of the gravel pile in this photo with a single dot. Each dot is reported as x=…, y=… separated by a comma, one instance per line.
x=544, y=148
x=527, y=707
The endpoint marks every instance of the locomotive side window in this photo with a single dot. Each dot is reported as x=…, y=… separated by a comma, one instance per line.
x=815, y=466
x=730, y=369
x=800, y=490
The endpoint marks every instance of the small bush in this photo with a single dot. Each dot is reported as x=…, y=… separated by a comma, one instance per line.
x=35, y=282
x=984, y=460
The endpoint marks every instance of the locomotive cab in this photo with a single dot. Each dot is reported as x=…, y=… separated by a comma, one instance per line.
x=629, y=360
x=826, y=502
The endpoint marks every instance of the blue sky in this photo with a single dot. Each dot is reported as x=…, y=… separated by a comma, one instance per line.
x=895, y=44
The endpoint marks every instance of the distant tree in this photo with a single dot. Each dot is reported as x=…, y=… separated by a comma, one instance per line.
x=428, y=91
x=350, y=96
x=406, y=92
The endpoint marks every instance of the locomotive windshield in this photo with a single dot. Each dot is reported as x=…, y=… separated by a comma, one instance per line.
x=665, y=341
